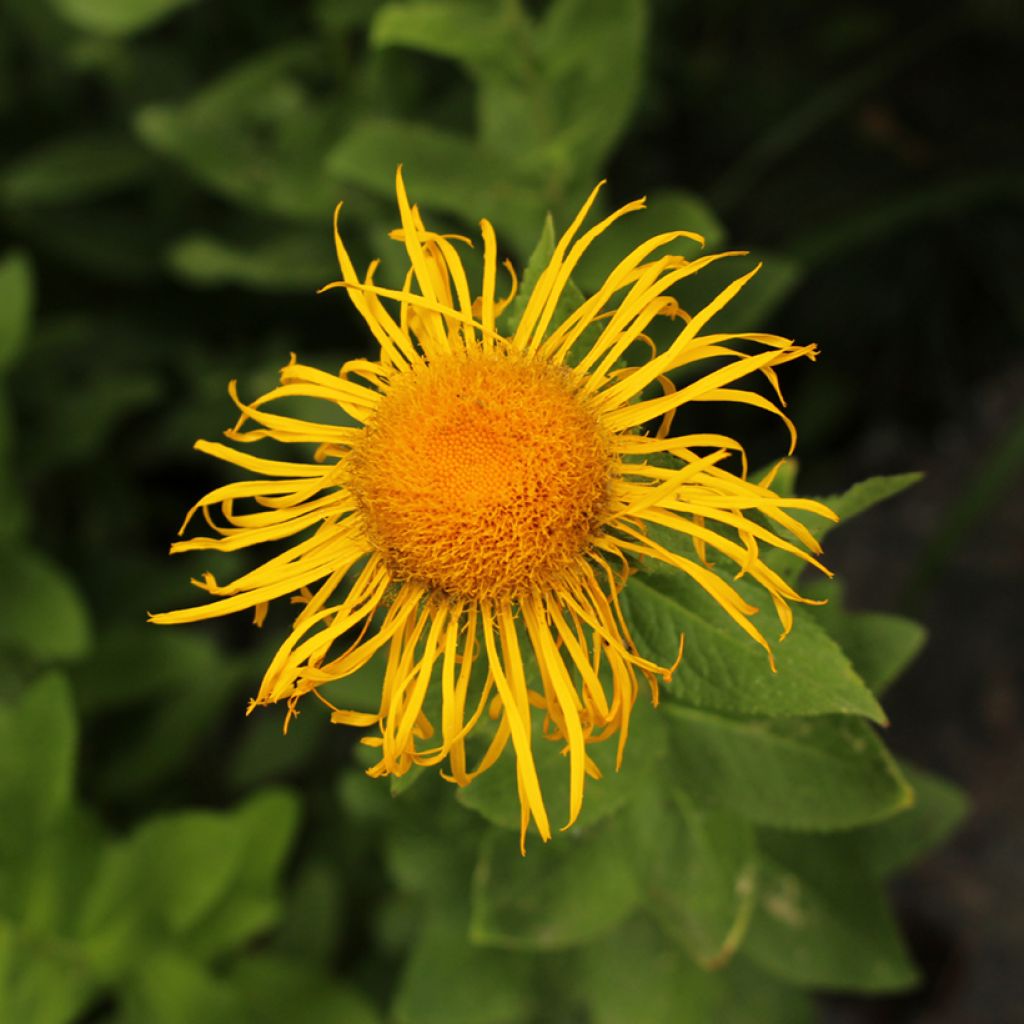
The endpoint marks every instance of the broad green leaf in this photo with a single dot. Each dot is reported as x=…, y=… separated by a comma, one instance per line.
x=267, y=824
x=431, y=849
x=257, y=135
x=894, y=844
x=807, y=774
x=724, y=670
x=117, y=17
x=48, y=621
x=464, y=30
x=191, y=861
x=443, y=171
x=632, y=975
x=40, y=982
x=17, y=299
x=43, y=886
x=590, y=100
x=171, y=988
x=879, y=645
x=749, y=996
x=310, y=927
x=824, y=923
x=72, y=169
x=447, y=980
x=294, y=261
x=38, y=745
x=170, y=880
x=494, y=795
x=560, y=894
x=698, y=872
x=670, y=210
x=273, y=989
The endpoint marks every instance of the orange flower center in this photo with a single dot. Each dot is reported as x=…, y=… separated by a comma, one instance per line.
x=482, y=476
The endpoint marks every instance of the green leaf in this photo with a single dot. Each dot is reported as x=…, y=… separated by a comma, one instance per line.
x=257, y=135
x=44, y=888
x=633, y=975
x=698, y=870
x=494, y=795
x=670, y=210
x=879, y=645
x=273, y=988
x=866, y=494
x=117, y=17
x=267, y=824
x=559, y=895
x=590, y=100
x=72, y=169
x=467, y=31
x=570, y=299
x=191, y=860
x=38, y=744
x=170, y=988
x=310, y=927
x=443, y=170
x=824, y=923
x=41, y=982
x=891, y=845
x=171, y=881
x=49, y=621
x=17, y=300
x=851, y=503
x=809, y=774
x=446, y=980
x=540, y=257
x=287, y=262
x=722, y=669
x=431, y=849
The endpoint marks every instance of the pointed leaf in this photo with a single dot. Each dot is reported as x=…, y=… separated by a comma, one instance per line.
x=881, y=646
x=724, y=670
x=813, y=774
x=848, y=505
x=824, y=923
x=894, y=844
x=698, y=871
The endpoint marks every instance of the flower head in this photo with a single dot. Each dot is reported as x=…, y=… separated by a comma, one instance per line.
x=489, y=497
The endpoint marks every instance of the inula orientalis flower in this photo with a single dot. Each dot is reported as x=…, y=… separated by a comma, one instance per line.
x=478, y=519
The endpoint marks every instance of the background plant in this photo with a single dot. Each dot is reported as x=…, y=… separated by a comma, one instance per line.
x=167, y=176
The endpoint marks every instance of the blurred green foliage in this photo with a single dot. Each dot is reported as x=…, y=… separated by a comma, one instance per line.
x=166, y=183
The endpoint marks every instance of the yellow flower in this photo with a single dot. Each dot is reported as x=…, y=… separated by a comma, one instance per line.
x=491, y=495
